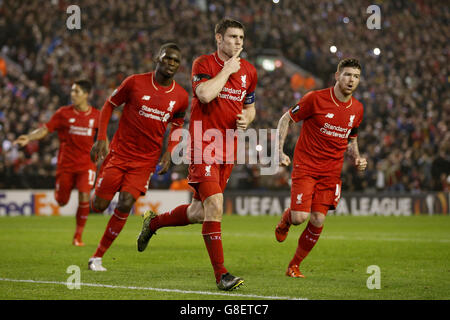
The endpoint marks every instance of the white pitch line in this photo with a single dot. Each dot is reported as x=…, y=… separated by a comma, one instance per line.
x=381, y=237
x=230, y=295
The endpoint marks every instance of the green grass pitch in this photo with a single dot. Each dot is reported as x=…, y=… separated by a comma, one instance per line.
x=412, y=253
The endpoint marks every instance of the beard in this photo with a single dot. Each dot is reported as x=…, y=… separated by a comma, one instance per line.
x=345, y=90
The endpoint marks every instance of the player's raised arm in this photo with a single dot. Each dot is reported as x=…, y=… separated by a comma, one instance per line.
x=209, y=90
x=282, y=129
x=37, y=134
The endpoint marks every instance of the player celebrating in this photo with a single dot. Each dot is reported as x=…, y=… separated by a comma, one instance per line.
x=151, y=101
x=76, y=125
x=223, y=98
x=331, y=118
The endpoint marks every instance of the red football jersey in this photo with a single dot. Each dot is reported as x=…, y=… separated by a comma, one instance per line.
x=221, y=113
x=148, y=109
x=76, y=131
x=327, y=125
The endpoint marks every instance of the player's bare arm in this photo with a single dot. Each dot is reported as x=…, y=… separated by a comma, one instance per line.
x=353, y=151
x=166, y=158
x=282, y=128
x=246, y=117
x=209, y=90
x=99, y=150
x=165, y=162
x=37, y=134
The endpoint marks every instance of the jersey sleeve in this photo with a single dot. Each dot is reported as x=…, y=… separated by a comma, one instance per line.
x=250, y=96
x=354, y=131
x=54, y=122
x=200, y=72
x=121, y=94
x=178, y=116
x=304, y=108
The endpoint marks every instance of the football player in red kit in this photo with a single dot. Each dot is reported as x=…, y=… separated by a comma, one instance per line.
x=151, y=101
x=331, y=118
x=76, y=126
x=223, y=87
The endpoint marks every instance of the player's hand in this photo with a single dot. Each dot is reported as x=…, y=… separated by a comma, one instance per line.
x=241, y=122
x=284, y=159
x=99, y=151
x=361, y=164
x=22, y=140
x=233, y=64
x=165, y=163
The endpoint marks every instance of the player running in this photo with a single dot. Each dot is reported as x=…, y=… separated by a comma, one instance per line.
x=331, y=118
x=151, y=101
x=223, y=98
x=76, y=125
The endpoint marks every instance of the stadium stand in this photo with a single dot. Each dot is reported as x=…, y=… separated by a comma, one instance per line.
x=405, y=133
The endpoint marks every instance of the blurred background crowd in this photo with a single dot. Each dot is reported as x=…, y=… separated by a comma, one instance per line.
x=404, y=89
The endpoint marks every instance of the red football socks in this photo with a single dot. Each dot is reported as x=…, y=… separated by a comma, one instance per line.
x=115, y=225
x=212, y=236
x=173, y=218
x=287, y=216
x=306, y=242
x=81, y=217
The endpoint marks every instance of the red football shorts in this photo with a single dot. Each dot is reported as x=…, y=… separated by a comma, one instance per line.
x=83, y=181
x=208, y=179
x=119, y=175
x=315, y=193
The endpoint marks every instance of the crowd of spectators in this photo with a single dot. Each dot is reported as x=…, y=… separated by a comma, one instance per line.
x=405, y=133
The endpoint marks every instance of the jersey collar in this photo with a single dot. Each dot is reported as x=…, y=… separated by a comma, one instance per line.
x=218, y=60
x=86, y=113
x=339, y=103
x=158, y=87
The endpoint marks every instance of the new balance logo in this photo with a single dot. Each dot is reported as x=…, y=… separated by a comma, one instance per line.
x=329, y=115
x=208, y=171
x=146, y=98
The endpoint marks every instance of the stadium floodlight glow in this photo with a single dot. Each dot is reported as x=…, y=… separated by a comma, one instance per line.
x=259, y=148
x=376, y=51
x=346, y=20
x=268, y=64
x=275, y=1
x=333, y=49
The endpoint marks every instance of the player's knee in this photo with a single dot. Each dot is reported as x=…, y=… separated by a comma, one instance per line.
x=317, y=219
x=298, y=217
x=195, y=212
x=213, y=207
x=83, y=197
x=62, y=198
x=98, y=204
x=126, y=202
x=62, y=203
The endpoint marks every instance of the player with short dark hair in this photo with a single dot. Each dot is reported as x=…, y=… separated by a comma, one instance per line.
x=76, y=125
x=223, y=98
x=331, y=118
x=151, y=101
